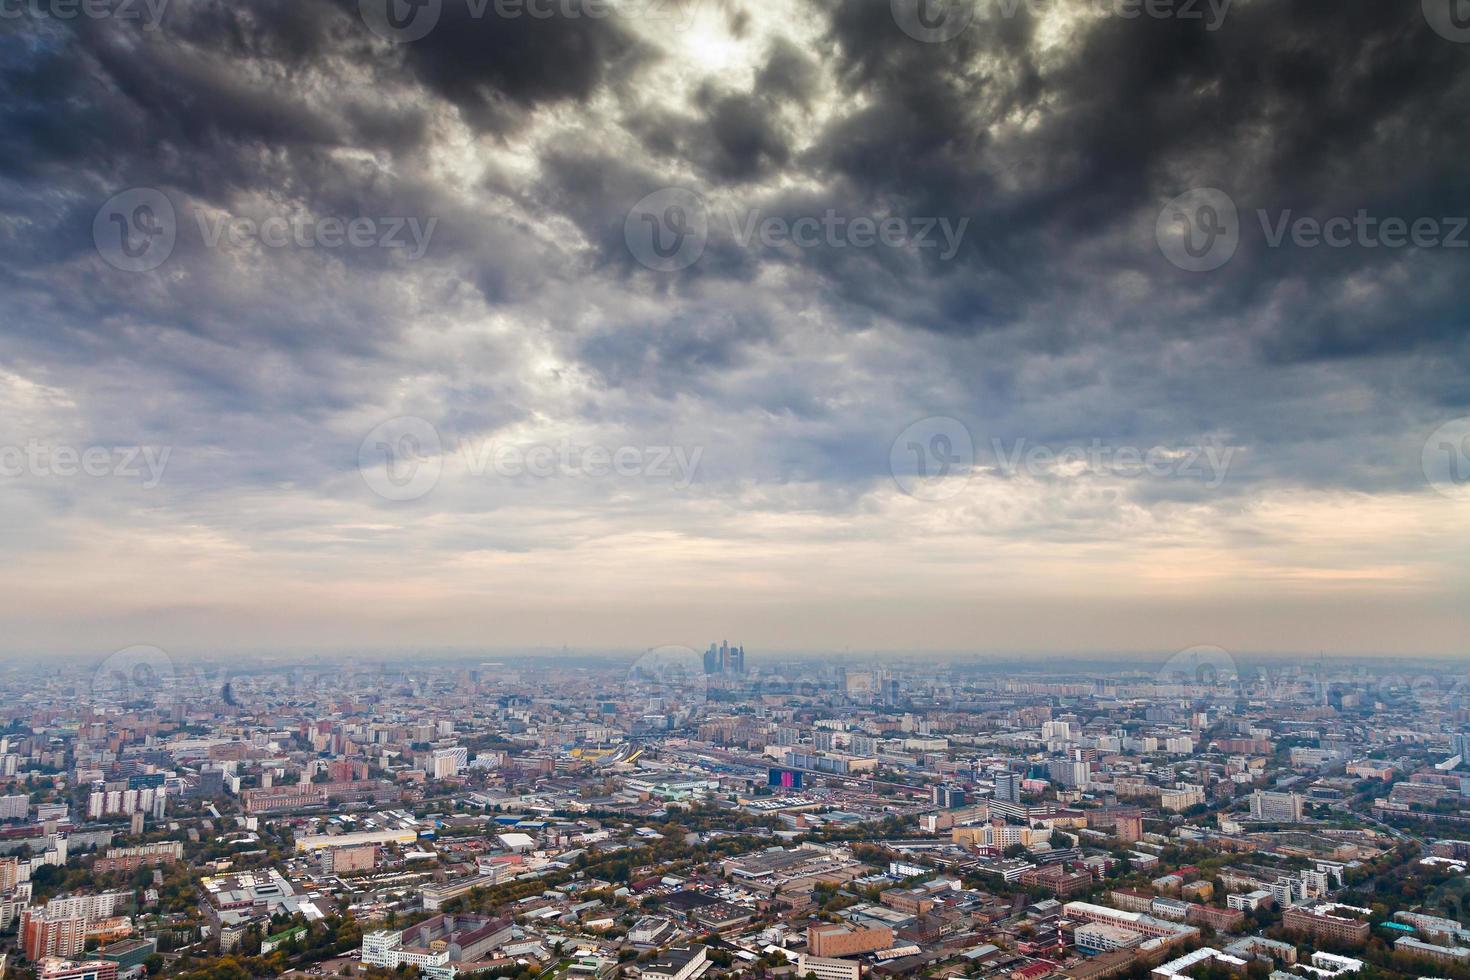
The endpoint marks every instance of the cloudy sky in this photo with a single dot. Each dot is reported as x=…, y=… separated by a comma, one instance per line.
x=1021, y=325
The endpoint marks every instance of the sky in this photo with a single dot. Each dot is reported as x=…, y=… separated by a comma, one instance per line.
x=1032, y=326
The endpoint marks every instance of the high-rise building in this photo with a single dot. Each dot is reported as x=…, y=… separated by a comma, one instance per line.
x=42, y=936
x=1056, y=731
x=1283, y=807
x=1071, y=773
x=724, y=659
x=947, y=797
x=1460, y=745
x=449, y=762
x=1008, y=787
x=1129, y=826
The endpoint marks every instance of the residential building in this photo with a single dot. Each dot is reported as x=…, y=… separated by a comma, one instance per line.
x=1341, y=923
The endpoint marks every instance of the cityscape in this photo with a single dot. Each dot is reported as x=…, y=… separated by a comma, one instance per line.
x=686, y=814
x=734, y=489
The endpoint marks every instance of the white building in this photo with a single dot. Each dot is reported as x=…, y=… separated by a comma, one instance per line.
x=449, y=762
x=825, y=968
x=1281, y=807
x=1099, y=937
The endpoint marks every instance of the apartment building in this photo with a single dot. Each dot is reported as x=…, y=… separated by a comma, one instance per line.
x=1342, y=923
x=1278, y=807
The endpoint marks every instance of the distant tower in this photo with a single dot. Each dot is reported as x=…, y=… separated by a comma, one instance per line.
x=722, y=658
x=1460, y=745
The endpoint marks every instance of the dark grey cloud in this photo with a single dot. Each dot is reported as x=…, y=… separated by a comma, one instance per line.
x=1056, y=320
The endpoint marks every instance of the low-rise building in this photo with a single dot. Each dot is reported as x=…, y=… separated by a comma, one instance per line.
x=678, y=963
x=53, y=968
x=824, y=968
x=1342, y=923
x=1098, y=937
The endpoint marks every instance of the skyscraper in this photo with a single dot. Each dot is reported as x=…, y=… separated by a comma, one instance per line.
x=948, y=797
x=724, y=659
x=1460, y=745
x=1008, y=787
